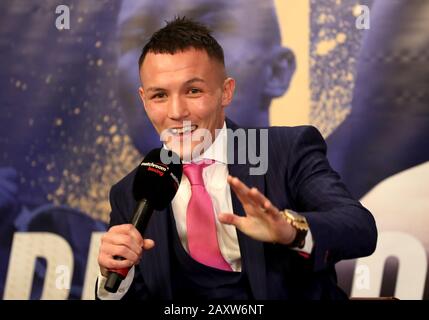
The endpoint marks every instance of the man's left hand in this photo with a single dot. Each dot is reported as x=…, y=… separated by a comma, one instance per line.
x=263, y=220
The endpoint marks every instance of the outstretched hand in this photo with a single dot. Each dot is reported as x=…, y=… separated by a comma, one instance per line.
x=263, y=221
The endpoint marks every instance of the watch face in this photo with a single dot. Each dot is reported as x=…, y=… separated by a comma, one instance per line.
x=295, y=219
x=302, y=225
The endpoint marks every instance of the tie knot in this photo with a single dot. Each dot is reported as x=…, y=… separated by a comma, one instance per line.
x=194, y=171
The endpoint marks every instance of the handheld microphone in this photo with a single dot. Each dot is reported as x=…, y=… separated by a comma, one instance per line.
x=154, y=187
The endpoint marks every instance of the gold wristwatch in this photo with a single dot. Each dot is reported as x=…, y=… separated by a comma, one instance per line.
x=299, y=223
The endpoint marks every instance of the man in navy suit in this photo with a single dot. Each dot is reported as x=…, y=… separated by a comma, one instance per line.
x=277, y=239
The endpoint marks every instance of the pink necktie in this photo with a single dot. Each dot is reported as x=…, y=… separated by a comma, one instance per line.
x=200, y=221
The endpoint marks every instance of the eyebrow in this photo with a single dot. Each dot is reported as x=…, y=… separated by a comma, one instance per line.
x=188, y=82
x=154, y=89
x=196, y=79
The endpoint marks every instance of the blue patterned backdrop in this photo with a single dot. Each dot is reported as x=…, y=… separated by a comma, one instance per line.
x=71, y=124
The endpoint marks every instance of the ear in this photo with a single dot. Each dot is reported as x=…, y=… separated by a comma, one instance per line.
x=281, y=68
x=228, y=91
x=142, y=95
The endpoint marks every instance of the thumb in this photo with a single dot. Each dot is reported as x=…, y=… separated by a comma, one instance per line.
x=148, y=244
x=231, y=219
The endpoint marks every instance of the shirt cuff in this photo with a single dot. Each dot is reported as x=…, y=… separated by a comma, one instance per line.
x=103, y=294
x=308, y=245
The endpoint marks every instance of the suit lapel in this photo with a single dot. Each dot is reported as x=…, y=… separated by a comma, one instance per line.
x=252, y=251
x=155, y=264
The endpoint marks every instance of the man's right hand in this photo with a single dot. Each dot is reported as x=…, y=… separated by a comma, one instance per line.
x=124, y=241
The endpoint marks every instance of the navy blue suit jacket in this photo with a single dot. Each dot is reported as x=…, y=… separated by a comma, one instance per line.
x=298, y=177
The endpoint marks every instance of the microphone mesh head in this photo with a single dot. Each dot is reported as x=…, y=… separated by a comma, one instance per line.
x=158, y=177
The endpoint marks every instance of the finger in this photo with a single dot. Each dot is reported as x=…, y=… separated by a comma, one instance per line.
x=240, y=189
x=263, y=202
x=120, y=251
x=148, y=244
x=232, y=219
x=107, y=262
x=128, y=229
x=238, y=184
x=254, y=197
x=257, y=197
x=120, y=239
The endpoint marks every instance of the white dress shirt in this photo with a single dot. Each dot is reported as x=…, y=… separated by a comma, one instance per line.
x=215, y=181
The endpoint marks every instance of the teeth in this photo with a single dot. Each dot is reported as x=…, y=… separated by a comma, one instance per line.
x=183, y=130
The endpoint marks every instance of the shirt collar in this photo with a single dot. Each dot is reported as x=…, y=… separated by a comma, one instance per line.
x=217, y=151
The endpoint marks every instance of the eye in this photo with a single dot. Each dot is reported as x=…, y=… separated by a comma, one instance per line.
x=159, y=95
x=194, y=91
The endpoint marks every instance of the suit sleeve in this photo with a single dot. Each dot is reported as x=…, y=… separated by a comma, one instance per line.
x=138, y=289
x=341, y=227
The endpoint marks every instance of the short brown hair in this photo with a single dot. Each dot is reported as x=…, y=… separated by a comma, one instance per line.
x=181, y=34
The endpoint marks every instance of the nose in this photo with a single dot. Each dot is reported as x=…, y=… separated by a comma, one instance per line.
x=177, y=109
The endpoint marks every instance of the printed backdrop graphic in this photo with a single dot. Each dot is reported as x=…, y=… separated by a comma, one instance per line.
x=71, y=123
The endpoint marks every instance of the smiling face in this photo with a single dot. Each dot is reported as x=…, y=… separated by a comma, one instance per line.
x=247, y=46
x=185, y=87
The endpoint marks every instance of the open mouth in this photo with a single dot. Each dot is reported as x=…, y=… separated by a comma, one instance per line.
x=183, y=130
